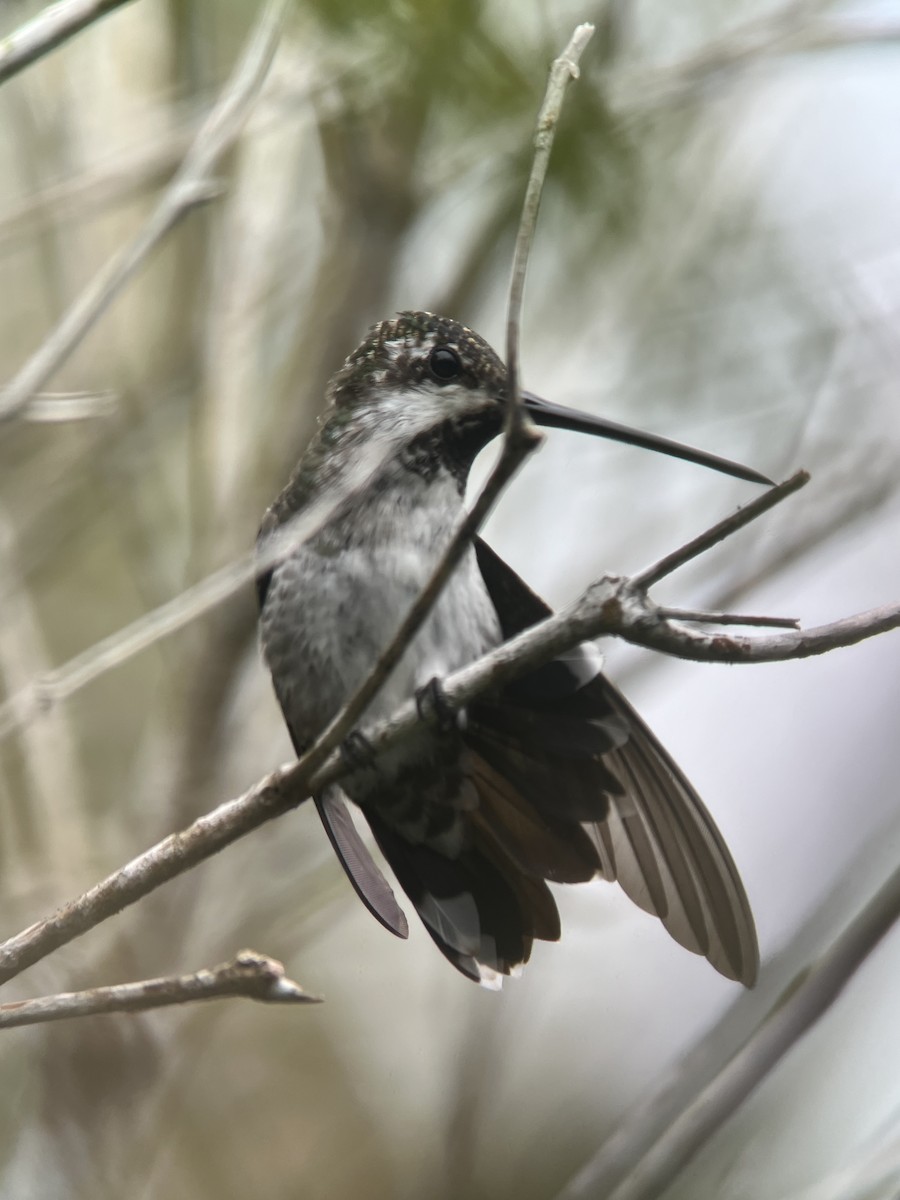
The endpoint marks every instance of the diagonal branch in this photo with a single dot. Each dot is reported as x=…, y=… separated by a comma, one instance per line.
x=194, y=184
x=51, y=27
x=723, y=529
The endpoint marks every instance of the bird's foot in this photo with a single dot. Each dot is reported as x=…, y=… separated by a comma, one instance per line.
x=435, y=709
x=357, y=751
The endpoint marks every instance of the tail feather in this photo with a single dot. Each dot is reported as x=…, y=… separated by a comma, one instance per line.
x=561, y=786
x=541, y=847
x=480, y=914
x=362, y=871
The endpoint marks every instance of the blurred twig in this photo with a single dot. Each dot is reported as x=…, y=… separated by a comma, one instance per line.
x=193, y=184
x=871, y=1172
x=255, y=976
x=647, y=1123
x=723, y=618
x=53, y=408
x=792, y=29
x=612, y=606
x=50, y=28
x=802, y=1003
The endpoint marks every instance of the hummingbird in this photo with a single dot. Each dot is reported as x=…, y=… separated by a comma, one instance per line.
x=553, y=778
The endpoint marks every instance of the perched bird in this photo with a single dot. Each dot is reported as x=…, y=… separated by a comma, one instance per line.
x=553, y=778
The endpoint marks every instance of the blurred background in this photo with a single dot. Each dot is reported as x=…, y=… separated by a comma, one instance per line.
x=718, y=259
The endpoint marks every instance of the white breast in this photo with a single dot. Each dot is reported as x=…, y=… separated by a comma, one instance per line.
x=328, y=616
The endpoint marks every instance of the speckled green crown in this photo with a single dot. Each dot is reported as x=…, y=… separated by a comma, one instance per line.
x=395, y=354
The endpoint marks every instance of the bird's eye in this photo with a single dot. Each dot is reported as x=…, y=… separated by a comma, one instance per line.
x=444, y=364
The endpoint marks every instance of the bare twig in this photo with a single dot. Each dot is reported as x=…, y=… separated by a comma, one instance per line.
x=803, y=1002
x=564, y=69
x=794, y=27
x=724, y=618
x=50, y=28
x=613, y=607
x=255, y=976
x=192, y=185
x=671, y=562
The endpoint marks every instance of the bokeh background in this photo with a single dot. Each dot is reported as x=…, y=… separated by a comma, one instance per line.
x=718, y=259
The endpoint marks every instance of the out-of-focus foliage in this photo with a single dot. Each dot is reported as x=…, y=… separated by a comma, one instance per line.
x=719, y=258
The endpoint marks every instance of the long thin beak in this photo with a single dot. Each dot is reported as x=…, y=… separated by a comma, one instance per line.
x=555, y=416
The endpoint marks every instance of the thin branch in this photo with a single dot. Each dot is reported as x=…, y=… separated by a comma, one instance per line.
x=781, y=31
x=519, y=440
x=749, y=512
x=255, y=976
x=194, y=184
x=643, y=627
x=802, y=1003
x=51, y=27
x=564, y=69
x=724, y=618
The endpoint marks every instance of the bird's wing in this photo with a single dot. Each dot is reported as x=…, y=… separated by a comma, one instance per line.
x=575, y=749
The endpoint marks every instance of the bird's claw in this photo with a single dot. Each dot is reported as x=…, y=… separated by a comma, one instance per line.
x=435, y=709
x=357, y=751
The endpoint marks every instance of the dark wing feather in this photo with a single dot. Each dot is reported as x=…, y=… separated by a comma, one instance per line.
x=466, y=904
x=540, y=846
x=654, y=834
x=361, y=869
